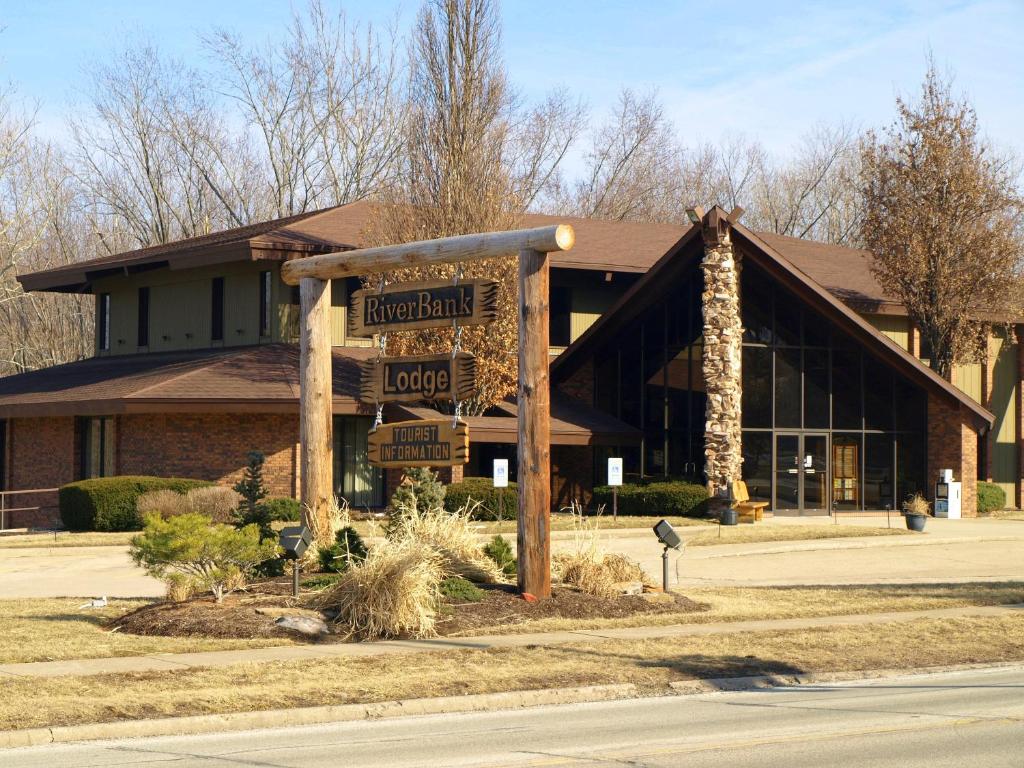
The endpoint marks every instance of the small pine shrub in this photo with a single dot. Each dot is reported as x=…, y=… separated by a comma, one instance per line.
x=348, y=549
x=419, y=491
x=252, y=510
x=500, y=551
x=991, y=498
x=284, y=509
x=211, y=556
x=458, y=590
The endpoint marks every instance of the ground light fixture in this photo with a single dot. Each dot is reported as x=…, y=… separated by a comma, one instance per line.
x=668, y=538
x=295, y=540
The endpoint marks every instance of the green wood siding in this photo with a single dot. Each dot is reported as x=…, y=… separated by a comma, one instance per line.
x=1003, y=441
x=967, y=377
x=895, y=327
x=586, y=306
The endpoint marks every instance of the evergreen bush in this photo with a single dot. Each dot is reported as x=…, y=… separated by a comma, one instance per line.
x=284, y=509
x=500, y=551
x=110, y=503
x=486, y=501
x=419, y=491
x=348, y=548
x=658, y=498
x=459, y=590
x=991, y=498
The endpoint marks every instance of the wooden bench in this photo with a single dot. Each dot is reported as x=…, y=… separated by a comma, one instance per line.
x=747, y=510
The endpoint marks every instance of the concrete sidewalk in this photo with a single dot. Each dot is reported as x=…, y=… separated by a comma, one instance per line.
x=178, y=661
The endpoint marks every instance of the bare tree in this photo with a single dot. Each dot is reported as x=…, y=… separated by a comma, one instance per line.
x=472, y=160
x=323, y=104
x=39, y=228
x=944, y=218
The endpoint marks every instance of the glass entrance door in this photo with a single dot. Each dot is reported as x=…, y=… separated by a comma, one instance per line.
x=801, y=473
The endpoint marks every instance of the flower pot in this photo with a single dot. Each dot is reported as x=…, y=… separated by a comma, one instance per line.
x=916, y=522
x=729, y=517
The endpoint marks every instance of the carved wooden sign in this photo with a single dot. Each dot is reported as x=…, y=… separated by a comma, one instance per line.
x=419, y=444
x=410, y=306
x=418, y=377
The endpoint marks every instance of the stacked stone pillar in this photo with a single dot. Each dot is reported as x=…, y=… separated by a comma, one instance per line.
x=723, y=338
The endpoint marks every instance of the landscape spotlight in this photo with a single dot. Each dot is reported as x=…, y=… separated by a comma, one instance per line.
x=295, y=540
x=667, y=535
x=670, y=539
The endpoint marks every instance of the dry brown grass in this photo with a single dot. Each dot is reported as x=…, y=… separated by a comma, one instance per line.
x=587, y=567
x=751, y=534
x=452, y=536
x=650, y=664
x=1008, y=514
x=52, y=629
x=754, y=603
x=67, y=539
x=393, y=592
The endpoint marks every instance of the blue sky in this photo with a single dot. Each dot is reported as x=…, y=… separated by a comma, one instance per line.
x=766, y=70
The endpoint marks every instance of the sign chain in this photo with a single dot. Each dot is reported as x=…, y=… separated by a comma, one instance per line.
x=382, y=343
x=456, y=348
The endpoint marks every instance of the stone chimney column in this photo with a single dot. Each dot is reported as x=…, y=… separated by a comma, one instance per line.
x=723, y=339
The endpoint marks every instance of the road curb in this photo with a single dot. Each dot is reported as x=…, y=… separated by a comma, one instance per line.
x=766, y=682
x=279, y=718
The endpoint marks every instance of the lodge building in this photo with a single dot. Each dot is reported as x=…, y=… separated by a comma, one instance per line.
x=705, y=351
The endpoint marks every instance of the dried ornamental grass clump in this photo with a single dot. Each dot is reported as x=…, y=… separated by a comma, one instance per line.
x=452, y=536
x=916, y=505
x=587, y=567
x=394, y=592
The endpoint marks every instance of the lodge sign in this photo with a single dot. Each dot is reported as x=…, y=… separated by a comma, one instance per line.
x=427, y=443
x=418, y=377
x=410, y=306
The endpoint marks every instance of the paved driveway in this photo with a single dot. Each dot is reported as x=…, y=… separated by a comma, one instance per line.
x=73, y=572
x=952, y=551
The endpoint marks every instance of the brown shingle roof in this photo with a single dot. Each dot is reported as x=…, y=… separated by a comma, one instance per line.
x=654, y=284
x=572, y=423
x=613, y=246
x=263, y=378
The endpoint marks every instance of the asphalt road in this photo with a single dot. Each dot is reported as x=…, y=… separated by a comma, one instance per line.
x=962, y=720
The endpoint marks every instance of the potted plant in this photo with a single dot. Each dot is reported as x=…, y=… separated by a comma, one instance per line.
x=915, y=510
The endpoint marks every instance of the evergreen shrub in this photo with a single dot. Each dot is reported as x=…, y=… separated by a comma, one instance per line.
x=659, y=498
x=109, y=503
x=485, y=498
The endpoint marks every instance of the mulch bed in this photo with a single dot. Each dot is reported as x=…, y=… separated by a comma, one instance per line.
x=251, y=614
x=502, y=607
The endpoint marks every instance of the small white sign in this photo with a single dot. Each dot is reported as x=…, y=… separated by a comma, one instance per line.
x=614, y=471
x=501, y=473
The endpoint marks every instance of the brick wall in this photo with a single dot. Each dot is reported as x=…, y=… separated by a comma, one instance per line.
x=40, y=454
x=210, y=447
x=953, y=444
x=580, y=384
x=572, y=475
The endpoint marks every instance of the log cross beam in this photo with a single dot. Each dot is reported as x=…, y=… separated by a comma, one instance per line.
x=316, y=393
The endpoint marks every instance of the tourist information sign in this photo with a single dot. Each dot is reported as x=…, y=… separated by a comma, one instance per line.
x=409, y=306
x=419, y=377
x=427, y=443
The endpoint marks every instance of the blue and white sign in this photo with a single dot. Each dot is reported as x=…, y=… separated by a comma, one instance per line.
x=501, y=473
x=614, y=471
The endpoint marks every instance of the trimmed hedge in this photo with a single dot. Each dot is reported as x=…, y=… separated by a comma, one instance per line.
x=664, y=498
x=108, y=503
x=482, y=490
x=991, y=498
x=283, y=509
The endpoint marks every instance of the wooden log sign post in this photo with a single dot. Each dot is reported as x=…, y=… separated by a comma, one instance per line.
x=426, y=443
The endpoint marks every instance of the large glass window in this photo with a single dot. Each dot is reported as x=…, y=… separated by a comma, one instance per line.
x=823, y=407
x=103, y=321
x=355, y=480
x=265, y=302
x=96, y=447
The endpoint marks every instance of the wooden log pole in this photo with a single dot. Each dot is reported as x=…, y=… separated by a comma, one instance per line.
x=446, y=250
x=315, y=407
x=533, y=534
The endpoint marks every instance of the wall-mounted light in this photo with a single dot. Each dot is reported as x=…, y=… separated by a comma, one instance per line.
x=695, y=214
